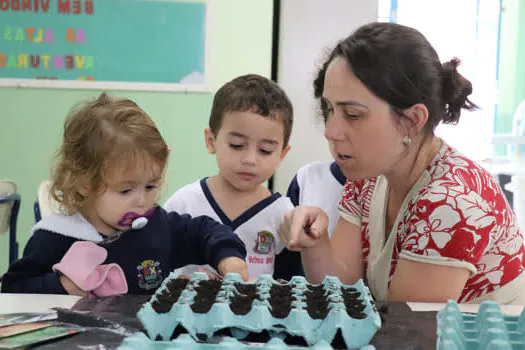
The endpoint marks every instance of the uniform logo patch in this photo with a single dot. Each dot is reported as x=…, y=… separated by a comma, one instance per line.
x=149, y=274
x=264, y=243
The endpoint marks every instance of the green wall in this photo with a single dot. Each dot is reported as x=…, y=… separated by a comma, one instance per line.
x=512, y=63
x=31, y=120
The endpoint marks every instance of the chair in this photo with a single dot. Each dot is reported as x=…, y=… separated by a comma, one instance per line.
x=9, y=208
x=45, y=204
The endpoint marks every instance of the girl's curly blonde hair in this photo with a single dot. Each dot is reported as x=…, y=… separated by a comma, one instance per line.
x=103, y=136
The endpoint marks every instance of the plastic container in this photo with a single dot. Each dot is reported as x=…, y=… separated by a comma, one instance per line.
x=518, y=129
x=517, y=187
x=489, y=329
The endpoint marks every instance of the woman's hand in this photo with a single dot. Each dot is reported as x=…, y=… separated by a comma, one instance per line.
x=304, y=227
x=233, y=264
x=70, y=287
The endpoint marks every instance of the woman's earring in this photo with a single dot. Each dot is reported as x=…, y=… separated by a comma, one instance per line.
x=407, y=141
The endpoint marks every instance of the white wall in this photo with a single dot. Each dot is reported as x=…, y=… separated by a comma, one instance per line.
x=471, y=34
x=308, y=30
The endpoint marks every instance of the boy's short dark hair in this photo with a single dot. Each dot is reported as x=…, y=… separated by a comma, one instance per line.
x=253, y=93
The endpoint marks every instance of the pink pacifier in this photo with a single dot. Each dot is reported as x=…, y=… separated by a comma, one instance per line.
x=134, y=220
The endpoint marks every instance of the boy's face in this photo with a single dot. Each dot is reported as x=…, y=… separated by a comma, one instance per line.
x=248, y=148
x=129, y=191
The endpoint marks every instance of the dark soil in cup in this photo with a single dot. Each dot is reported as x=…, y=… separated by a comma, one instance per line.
x=206, y=292
x=280, y=300
x=354, y=305
x=167, y=298
x=316, y=303
x=241, y=302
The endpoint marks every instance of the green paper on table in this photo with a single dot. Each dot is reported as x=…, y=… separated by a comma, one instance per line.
x=37, y=336
x=25, y=317
x=15, y=329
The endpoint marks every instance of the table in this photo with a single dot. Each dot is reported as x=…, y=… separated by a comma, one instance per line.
x=509, y=310
x=109, y=320
x=13, y=303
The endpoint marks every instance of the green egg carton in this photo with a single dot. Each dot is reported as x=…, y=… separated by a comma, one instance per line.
x=185, y=341
x=489, y=329
x=317, y=313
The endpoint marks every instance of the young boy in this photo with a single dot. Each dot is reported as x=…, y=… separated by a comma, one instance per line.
x=319, y=184
x=249, y=129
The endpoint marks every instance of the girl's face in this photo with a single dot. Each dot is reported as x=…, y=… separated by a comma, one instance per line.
x=364, y=134
x=131, y=190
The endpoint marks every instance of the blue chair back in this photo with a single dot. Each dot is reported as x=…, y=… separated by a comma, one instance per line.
x=36, y=211
x=45, y=205
x=9, y=208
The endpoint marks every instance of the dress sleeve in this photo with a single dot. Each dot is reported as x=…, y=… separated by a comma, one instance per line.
x=449, y=226
x=350, y=207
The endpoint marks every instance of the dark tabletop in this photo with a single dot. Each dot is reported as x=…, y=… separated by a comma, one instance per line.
x=109, y=320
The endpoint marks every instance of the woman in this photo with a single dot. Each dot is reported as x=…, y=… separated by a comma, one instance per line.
x=419, y=221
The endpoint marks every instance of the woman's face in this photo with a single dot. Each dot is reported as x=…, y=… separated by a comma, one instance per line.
x=364, y=134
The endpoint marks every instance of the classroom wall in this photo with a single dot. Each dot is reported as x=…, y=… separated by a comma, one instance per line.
x=309, y=28
x=321, y=25
x=512, y=68
x=31, y=120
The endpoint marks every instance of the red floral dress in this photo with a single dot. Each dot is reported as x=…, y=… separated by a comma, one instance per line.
x=455, y=215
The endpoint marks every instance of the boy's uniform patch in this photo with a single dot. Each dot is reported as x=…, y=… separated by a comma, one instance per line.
x=264, y=242
x=149, y=274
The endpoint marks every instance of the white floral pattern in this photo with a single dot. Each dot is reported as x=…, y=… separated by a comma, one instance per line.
x=461, y=214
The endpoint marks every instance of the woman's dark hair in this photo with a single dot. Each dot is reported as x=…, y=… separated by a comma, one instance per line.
x=398, y=64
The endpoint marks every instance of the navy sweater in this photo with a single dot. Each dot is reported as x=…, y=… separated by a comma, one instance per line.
x=146, y=256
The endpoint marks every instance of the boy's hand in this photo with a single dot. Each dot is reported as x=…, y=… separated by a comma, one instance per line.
x=233, y=264
x=211, y=275
x=70, y=287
